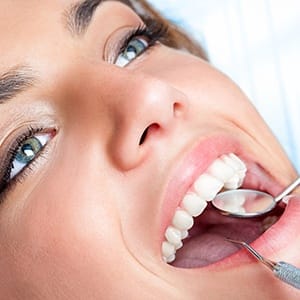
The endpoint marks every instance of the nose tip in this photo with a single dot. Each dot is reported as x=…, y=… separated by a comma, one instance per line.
x=145, y=120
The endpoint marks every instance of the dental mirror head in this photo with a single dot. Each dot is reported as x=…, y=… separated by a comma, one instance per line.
x=245, y=203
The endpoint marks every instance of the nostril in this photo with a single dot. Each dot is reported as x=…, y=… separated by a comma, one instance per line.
x=143, y=137
x=177, y=109
x=147, y=131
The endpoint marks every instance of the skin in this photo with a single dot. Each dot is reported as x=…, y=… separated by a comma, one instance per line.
x=86, y=222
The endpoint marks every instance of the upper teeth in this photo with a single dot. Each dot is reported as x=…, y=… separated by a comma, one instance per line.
x=227, y=171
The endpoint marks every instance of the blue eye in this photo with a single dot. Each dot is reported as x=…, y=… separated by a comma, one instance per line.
x=24, y=150
x=138, y=41
x=27, y=151
x=134, y=48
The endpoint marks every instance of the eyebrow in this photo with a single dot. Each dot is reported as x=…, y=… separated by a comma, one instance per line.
x=15, y=81
x=80, y=14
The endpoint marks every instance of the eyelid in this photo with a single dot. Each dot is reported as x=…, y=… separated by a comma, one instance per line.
x=133, y=33
x=119, y=40
x=115, y=42
x=43, y=139
x=8, y=154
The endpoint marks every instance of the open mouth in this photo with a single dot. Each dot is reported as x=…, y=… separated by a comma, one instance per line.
x=196, y=235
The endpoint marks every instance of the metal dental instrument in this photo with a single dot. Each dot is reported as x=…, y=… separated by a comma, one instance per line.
x=245, y=203
x=282, y=270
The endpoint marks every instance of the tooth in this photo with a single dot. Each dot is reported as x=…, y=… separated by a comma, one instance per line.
x=182, y=220
x=178, y=246
x=233, y=183
x=220, y=170
x=207, y=186
x=242, y=166
x=234, y=208
x=238, y=209
x=168, y=249
x=232, y=162
x=193, y=204
x=170, y=258
x=237, y=200
x=173, y=235
x=235, y=203
x=184, y=234
x=239, y=166
x=242, y=175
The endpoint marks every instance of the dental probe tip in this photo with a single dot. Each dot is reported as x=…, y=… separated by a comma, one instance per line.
x=270, y=264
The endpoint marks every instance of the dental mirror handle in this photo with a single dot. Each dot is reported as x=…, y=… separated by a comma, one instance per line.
x=287, y=190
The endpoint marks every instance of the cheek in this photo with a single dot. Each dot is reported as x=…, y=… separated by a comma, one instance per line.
x=60, y=238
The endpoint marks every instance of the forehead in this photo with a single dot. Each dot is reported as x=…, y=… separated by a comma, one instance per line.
x=17, y=12
x=20, y=23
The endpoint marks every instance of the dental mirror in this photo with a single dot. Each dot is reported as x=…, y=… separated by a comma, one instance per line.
x=245, y=203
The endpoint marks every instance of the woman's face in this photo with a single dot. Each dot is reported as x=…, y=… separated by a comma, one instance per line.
x=100, y=149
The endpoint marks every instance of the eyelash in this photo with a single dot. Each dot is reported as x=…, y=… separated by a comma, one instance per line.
x=153, y=32
x=6, y=183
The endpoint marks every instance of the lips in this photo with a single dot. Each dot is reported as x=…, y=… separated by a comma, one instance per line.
x=205, y=244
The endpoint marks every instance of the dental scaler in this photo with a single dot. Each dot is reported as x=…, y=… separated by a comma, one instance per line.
x=282, y=270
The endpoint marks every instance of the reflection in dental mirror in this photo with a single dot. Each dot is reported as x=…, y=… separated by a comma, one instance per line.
x=245, y=203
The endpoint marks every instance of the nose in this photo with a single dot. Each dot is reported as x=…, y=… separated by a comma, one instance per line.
x=145, y=112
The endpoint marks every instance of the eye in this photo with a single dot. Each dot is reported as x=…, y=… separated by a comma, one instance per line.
x=139, y=40
x=21, y=156
x=134, y=48
x=27, y=151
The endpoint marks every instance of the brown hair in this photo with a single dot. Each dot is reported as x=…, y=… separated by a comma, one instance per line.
x=176, y=37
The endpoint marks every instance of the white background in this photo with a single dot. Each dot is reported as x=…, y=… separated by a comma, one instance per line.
x=256, y=43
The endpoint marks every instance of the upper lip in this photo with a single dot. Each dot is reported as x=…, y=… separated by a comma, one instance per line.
x=196, y=161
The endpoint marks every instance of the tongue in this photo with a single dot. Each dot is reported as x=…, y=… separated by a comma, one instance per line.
x=208, y=245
